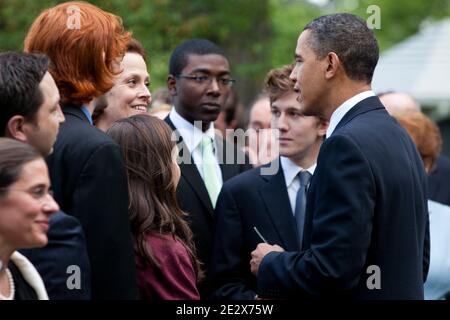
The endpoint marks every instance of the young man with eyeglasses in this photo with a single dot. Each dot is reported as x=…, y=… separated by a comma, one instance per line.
x=30, y=112
x=199, y=83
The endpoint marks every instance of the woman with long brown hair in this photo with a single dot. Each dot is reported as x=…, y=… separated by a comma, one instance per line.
x=167, y=266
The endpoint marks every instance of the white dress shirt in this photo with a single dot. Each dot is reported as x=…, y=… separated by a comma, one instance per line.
x=290, y=171
x=192, y=137
x=342, y=110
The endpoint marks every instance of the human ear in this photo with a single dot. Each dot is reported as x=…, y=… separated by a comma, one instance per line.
x=172, y=85
x=15, y=128
x=322, y=125
x=333, y=63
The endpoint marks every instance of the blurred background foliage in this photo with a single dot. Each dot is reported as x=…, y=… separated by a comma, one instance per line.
x=257, y=34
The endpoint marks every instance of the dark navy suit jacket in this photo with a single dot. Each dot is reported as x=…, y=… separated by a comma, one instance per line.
x=366, y=209
x=247, y=201
x=88, y=178
x=439, y=181
x=66, y=247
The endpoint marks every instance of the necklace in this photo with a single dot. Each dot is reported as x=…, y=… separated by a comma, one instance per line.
x=12, y=288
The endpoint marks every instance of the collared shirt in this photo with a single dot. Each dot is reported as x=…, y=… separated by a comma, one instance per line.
x=342, y=110
x=192, y=137
x=87, y=113
x=290, y=171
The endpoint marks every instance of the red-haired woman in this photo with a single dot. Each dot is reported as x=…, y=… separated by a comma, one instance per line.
x=86, y=45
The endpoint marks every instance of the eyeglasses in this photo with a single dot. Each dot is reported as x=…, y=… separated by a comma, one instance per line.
x=38, y=193
x=207, y=79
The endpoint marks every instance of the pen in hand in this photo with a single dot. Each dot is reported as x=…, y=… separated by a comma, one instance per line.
x=260, y=235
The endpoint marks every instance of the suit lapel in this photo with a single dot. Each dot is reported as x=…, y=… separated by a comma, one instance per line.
x=275, y=196
x=190, y=173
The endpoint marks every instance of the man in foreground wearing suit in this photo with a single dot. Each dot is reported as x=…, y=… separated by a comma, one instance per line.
x=199, y=83
x=366, y=228
x=30, y=112
x=269, y=203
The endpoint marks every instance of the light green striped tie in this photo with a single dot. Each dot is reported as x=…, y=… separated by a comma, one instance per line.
x=209, y=170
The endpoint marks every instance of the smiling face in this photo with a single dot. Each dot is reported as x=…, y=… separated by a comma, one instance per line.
x=298, y=134
x=26, y=207
x=309, y=77
x=130, y=95
x=201, y=101
x=41, y=132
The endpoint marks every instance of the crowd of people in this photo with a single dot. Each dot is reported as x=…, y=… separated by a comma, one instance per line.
x=108, y=191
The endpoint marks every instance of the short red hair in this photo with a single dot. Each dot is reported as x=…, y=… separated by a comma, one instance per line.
x=83, y=58
x=425, y=134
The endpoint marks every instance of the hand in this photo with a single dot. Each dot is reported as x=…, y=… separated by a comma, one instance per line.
x=259, y=253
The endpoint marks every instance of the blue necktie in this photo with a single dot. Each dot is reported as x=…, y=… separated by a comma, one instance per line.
x=300, y=203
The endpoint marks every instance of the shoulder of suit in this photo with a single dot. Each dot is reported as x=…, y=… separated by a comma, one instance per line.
x=61, y=218
x=247, y=179
x=81, y=134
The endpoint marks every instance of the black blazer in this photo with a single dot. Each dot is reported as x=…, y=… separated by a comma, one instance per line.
x=247, y=201
x=367, y=206
x=66, y=247
x=89, y=182
x=439, y=181
x=193, y=196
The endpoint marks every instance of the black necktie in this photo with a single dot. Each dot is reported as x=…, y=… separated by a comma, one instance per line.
x=300, y=203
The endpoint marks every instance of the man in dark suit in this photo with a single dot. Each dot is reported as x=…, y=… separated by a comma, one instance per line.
x=199, y=83
x=266, y=203
x=86, y=167
x=30, y=112
x=366, y=228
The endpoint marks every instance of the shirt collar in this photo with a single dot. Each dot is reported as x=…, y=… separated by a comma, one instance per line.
x=342, y=110
x=87, y=113
x=192, y=136
x=290, y=170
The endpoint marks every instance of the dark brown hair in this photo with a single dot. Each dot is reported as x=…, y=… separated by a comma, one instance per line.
x=14, y=155
x=136, y=47
x=83, y=56
x=20, y=77
x=147, y=150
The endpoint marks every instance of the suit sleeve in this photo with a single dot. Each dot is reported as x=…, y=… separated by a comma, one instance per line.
x=66, y=247
x=100, y=203
x=426, y=250
x=230, y=267
x=342, y=200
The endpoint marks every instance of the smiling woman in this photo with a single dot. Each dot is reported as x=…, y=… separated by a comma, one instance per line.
x=25, y=208
x=130, y=94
